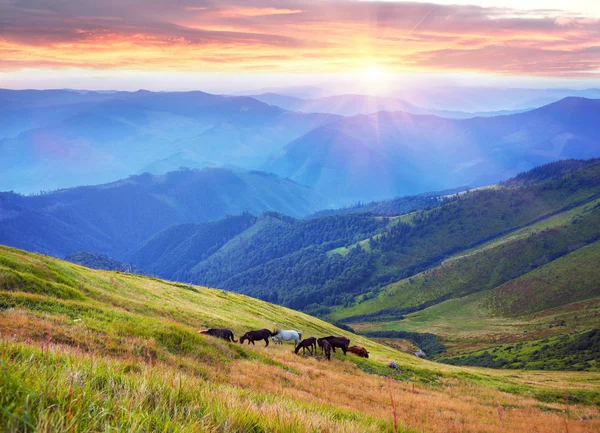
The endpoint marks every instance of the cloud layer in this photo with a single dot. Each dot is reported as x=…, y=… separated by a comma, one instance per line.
x=296, y=36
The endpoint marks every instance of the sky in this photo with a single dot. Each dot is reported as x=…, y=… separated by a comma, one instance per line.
x=236, y=45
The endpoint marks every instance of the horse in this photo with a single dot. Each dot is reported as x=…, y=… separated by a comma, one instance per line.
x=225, y=334
x=326, y=347
x=339, y=342
x=280, y=336
x=252, y=336
x=358, y=350
x=307, y=343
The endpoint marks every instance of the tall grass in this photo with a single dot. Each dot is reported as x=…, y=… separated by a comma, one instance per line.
x=51, y=391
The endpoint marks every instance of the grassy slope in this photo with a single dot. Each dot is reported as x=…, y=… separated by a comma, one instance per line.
x=527, y=308
x=489, y=265
x=85, y=350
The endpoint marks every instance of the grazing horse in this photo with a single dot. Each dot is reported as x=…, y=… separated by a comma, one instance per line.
x=279, y=336
x=326, y=347
x=307, y=343
x=339, y=342
x=225, y=334
x=358, y=350
x=253, y=336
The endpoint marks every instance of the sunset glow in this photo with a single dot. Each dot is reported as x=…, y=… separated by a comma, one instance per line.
x=298, y=37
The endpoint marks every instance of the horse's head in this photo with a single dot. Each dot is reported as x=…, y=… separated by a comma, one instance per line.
x=244, y=338
x=273, y=339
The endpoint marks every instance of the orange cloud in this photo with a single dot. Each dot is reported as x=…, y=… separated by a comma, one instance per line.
x=257, y=12
x=296, y=36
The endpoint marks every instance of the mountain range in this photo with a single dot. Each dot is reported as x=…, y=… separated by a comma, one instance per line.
x=351, y=105
x=56, y=139
x=116, y=217
x=385, y=154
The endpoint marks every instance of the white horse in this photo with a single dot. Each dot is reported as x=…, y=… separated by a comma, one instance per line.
x=279, y=336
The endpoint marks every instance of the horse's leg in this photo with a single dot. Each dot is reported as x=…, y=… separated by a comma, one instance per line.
x=266, y=341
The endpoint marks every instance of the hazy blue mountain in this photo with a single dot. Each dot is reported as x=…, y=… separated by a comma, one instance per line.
x=477, y=99
x=116, y=217
x=351, y=105
x=372, y=157
x=392, y=207
x=303, y=92
x=56, y=139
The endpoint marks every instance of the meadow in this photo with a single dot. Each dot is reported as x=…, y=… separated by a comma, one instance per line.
x=84, y=351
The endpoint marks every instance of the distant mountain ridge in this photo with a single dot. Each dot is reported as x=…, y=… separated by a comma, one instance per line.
x=352, y=105
x=56, y=139
x=372, y=157
x=116, y=217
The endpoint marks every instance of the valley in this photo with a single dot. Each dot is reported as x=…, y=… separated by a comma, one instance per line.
x=479, y=269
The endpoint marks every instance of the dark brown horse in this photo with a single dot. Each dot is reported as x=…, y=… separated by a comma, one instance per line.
x=307, y=343
x=225, y=334
x=339, y=342
x=253, y=336
x=358, y=350
x=326, y=347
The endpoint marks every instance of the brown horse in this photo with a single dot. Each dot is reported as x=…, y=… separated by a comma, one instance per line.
x=358, y=350
x=324, y=344
x=339, y=342
x=307, y=343
x=225, y=334
x=252, y=336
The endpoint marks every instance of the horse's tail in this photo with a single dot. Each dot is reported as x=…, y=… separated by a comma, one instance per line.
x=232, y=337
x=274, y=333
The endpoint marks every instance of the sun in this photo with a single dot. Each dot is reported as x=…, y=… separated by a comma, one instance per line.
x=372, y=79
x=372, y=73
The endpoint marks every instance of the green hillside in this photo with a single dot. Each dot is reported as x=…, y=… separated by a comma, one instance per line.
x=526, y=286
x=579, y=351
x=551, y=300
x=537, y=305
x=87, y=350
x=483, y=268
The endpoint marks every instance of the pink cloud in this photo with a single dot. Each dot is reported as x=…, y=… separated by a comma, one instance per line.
x=302, y=35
